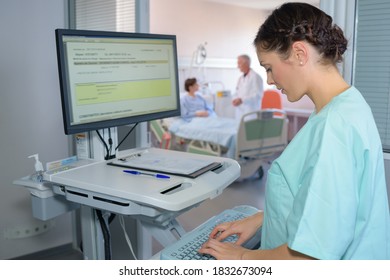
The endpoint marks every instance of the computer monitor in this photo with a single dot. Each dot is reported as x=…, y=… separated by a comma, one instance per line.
x=110, y=79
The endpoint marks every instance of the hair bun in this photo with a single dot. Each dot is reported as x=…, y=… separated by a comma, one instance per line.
x=300, y=21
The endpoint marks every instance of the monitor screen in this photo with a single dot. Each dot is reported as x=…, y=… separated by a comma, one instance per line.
x=110, y=79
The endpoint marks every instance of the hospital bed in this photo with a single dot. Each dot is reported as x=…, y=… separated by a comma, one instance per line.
x=257, y=137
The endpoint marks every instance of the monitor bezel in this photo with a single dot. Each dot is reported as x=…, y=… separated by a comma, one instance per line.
x=71, y=129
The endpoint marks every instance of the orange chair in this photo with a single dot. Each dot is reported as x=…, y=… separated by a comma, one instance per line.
x=271, y=100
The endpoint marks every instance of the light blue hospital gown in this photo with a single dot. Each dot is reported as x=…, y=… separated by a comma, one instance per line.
x=190, y=105
x=326, y=194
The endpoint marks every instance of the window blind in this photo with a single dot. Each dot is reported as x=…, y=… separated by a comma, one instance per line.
x=372, y=61
x=108, y=15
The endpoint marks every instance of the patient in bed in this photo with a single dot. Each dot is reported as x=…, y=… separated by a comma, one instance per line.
x=193, y=104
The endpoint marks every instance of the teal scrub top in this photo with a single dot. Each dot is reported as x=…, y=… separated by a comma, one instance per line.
x=326, y=194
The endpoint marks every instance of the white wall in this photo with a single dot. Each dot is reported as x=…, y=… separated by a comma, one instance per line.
x=228, y=30
x=30, y=114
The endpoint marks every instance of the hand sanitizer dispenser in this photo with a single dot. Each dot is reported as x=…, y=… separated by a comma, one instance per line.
x=38, y=175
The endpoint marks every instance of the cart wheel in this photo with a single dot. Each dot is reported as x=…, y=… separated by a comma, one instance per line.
x=260, y=171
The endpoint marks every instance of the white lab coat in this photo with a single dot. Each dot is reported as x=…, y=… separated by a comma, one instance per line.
x=250, y=90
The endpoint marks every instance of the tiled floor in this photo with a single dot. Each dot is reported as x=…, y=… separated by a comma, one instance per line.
x=247, y=192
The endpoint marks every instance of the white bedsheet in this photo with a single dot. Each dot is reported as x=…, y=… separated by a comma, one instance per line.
x=222, y=131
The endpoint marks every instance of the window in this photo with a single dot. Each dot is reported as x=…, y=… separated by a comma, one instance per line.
x=372, y=62
x=107, y=15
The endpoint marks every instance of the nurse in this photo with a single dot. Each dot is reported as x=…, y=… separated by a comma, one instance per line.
x=326, y=194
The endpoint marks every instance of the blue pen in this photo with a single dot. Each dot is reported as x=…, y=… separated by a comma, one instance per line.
x=158, y=176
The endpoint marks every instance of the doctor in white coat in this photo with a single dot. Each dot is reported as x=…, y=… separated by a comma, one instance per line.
x=249, y=91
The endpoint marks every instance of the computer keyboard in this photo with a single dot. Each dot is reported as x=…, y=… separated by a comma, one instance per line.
x=187, y=247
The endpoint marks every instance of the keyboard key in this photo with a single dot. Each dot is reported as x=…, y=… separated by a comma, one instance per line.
x=187, y=247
